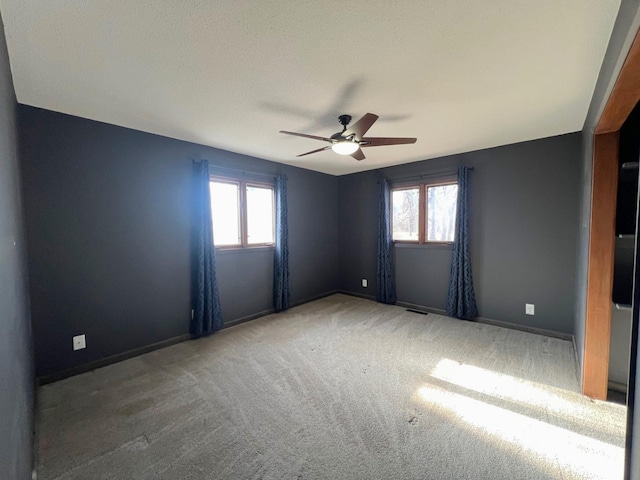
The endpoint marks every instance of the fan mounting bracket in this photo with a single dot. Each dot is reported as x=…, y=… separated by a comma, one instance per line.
x=344, y=121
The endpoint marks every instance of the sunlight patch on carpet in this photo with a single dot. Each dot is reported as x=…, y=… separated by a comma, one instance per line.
x=544, y=445
x=545, y=398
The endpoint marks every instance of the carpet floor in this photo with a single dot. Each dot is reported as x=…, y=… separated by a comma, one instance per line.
x=340, y=388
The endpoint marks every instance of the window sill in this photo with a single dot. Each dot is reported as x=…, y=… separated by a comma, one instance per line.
x=437, y=246
x=236, y=250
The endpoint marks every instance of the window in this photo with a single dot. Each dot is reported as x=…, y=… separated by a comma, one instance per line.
x=406, y=213
x=424, y=213
x=441, y=212
x=242, y=213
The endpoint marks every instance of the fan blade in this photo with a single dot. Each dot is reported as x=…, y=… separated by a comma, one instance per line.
x=380, y=141
x=358, y=155
x=361, y=126
x=307, y=136
x=314, y=151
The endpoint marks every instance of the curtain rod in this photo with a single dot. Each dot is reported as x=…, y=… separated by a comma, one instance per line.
x=426, y=175
x=243, y=172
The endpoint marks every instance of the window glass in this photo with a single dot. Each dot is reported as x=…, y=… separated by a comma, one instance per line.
x=225, y=211
x=441, y=212
x=259, y=215
x=405, y=205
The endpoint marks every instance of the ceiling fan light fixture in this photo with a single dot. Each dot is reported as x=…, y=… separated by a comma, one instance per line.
x=345, y=147
x=349, y=140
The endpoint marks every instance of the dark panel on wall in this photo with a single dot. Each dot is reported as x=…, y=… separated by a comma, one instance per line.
x=107, y=214
x=16, y=369
x=523, y=205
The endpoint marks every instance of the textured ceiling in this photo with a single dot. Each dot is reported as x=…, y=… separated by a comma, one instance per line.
x=459, y=75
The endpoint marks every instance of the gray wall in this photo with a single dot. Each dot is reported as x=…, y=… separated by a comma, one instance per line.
x=524, y=200
x=107, y=217
x=16, y=370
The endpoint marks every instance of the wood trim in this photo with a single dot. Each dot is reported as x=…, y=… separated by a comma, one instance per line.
x=422, y=210
x=422, y=214
x=604, y=189
x=625, y=93
x=623, y=98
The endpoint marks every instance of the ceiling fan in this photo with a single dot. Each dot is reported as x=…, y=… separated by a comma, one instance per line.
x=350, y=141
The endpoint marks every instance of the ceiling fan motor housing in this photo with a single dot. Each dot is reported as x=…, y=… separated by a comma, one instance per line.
x=337, y=136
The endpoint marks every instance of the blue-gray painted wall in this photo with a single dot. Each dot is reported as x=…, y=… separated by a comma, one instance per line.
x=108, y=223
x=107, y=217
x=523, y=204
x=16, y=364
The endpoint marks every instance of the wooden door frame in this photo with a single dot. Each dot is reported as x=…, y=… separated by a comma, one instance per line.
x=604, y=189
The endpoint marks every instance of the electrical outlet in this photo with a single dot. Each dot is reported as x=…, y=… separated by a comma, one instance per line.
x=365, y=283
x=529, y=309
x=79, y=342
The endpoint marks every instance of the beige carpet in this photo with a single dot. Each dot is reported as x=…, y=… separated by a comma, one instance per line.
x=341, y=388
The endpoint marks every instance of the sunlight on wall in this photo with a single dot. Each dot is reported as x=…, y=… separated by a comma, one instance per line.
x=542, y=444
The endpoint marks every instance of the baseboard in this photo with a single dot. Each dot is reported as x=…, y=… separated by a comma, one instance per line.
x=269, y=311
x=524, y=328
x=103, y=362
x=487, y=321
x=359, y=295
x=314, y=298
x=247, y=318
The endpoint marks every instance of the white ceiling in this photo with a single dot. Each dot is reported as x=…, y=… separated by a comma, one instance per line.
x=459, y=75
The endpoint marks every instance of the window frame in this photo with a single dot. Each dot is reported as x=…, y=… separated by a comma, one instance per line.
x=243, y=212
x=422, y=211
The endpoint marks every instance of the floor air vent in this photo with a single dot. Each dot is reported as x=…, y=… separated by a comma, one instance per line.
x=417, y=311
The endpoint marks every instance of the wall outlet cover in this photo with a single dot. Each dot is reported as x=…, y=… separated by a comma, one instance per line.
x=79, y=342
x=529, y=309
x=365, y=283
